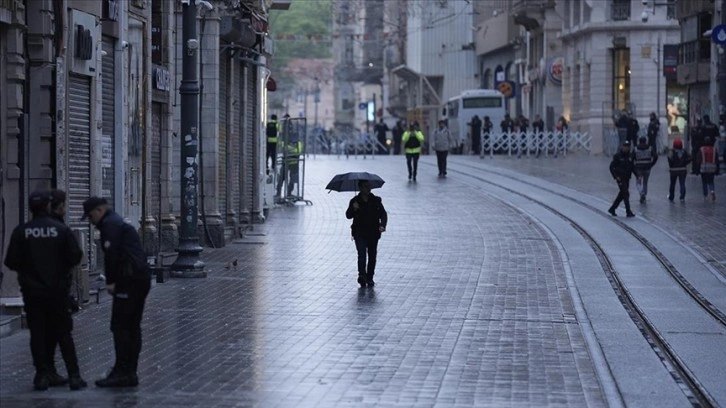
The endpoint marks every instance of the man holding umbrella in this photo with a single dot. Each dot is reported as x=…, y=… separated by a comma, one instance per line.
x=369, y=221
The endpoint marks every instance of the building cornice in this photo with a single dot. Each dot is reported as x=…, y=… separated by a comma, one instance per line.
x=615, y=27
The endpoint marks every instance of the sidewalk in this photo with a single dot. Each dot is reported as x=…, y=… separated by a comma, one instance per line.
x=700, y=224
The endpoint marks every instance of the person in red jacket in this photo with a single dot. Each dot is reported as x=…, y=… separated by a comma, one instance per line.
x=708, y=157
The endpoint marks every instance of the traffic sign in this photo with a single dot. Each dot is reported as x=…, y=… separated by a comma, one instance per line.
x=363, y=106
x=718, y=34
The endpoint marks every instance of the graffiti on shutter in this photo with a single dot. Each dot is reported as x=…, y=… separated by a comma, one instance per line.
x=249, y=140
x=234, y=142
x=79, y=146
x=222, y=142
x=108, y=131
x=155, y=186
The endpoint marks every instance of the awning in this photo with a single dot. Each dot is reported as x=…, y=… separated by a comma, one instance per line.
x=271, y=85
x=409, y=75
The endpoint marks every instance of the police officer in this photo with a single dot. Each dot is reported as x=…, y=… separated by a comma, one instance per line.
x=272, y=130
x=621, y=168
x=43, y=251
x=128, y=280
x=412, y=140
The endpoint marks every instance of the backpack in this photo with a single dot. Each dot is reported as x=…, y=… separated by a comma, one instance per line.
x=412, y=141
x=271, y=129
x=708, y=159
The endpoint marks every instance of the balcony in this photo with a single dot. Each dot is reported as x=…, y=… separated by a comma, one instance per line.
x=531, y=6
x=620, y=10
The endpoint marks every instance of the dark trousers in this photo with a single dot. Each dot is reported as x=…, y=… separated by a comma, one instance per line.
x=441, y=161
x=50, y=322
x=271, y=154
x=707, y=182
x=412, y=164
x=681, y=177
x=126, y=313
x=623, y=195
x=397, y=146
x=476, y=142
x=366, y=246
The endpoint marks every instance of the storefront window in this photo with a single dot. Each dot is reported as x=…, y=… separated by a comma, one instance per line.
x=621, y=78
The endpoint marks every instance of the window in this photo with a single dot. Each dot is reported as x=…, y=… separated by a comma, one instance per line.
x=620, y=10
x=621, y=78
x=453, y=109
x=482, y=102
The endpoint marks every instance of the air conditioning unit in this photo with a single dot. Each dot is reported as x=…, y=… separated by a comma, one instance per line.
x=234, y=30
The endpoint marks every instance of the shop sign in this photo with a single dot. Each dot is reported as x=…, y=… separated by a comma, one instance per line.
x=162, y=80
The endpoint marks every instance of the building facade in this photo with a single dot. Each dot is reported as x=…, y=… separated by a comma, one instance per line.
x=89, y=103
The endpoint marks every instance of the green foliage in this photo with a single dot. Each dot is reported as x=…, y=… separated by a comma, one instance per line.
x=304, y=18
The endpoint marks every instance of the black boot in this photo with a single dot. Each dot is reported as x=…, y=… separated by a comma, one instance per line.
x=362, y=280
x=41, y=382
x=118, y=377
x=55, y=379
x=76, y=382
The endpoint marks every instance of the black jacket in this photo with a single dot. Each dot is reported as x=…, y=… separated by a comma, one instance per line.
x=43, y=251
x=368, y=218
x=622, y=165
x=124, y=257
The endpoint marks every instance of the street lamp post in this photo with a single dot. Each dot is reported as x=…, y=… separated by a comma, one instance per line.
x=188, y=264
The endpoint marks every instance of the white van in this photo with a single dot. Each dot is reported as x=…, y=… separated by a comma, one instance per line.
x=483, y=102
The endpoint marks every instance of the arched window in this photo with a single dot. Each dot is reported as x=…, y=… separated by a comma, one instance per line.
x=487, y=79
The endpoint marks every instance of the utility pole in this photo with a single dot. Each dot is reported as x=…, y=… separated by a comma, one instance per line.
x=188, y=264
x=722, y=68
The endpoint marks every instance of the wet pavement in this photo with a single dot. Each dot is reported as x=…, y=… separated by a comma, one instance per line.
x=471, y=305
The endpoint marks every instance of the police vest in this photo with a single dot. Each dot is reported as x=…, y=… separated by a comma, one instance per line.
x=643, y=157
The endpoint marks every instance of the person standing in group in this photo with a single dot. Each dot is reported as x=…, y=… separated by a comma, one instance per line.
x=42, y=252
x=443, y=142
x=621, y=124
x=272, y=130
x=412, y=141
x=645, y=159
x=708, y=157
x=653, y=132
x=621, y=168
x=678, y=160
x=476, y=126
x=381, y=128
x=487, y=127
x=538, y=129
x=522, y=129
x=369, y=222
x=128, y=280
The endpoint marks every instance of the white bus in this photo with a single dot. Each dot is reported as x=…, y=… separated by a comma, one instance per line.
x=483, y=102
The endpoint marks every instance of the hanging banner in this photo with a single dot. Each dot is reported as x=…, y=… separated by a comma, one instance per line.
x=555, y=70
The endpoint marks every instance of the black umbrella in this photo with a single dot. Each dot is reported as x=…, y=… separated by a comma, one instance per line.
x=349, y=181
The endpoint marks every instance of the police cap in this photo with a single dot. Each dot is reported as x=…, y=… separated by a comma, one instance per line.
x=91, y=204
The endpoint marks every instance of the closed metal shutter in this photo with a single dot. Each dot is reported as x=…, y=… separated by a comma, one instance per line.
x=79, y=146
x=155, y=186
x=108, y=113
x=248, y=160
x=222, y=155
x=234, y=156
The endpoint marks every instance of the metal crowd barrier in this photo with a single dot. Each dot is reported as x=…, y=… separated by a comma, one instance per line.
x=534, y=143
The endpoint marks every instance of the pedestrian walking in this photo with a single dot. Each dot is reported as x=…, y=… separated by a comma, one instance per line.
x=645, y=159
x=381, y=128
x=443, y=142
x=272, y=130
x=369, y=222
x=708, y=157
x=653, y=131
x=476, y=125
x=678, y=159
x=708, y=130
x=621, y=168
x=633, y=129
x=397, y=133
x=42, y=252
x=128, y=280
x=412, y=141
x=538, y=129
x=696, y=136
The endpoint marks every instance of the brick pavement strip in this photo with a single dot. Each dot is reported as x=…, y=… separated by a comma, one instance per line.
x=470, y=309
